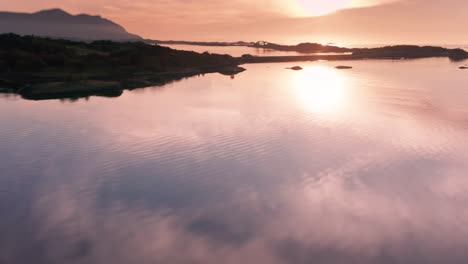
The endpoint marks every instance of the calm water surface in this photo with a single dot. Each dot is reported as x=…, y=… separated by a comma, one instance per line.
x=368, y=165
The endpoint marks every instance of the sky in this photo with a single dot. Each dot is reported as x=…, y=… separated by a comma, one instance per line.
x=283, y=21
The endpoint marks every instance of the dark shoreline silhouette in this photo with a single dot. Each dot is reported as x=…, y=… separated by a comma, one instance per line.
x=42, y=68
x=312, y=49
x=201, y=43
x=386, y=52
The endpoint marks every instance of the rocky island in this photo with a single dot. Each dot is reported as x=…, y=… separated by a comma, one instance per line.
x=341, y=53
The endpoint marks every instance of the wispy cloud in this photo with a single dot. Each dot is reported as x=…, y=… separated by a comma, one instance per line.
x=205, y=9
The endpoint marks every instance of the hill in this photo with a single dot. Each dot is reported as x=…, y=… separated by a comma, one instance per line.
x=57, y=23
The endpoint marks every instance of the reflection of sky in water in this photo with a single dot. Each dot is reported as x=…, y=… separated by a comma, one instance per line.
x=275, y=166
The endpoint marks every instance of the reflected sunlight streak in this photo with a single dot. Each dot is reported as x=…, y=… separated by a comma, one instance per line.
x=321, y=90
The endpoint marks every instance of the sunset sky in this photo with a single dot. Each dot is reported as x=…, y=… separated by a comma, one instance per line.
x=284, y=21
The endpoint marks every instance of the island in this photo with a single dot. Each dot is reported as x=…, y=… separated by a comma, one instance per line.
x=386, y=52
x=306, y=48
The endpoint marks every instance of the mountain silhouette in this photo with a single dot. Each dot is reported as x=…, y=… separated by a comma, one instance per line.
x=57, y=23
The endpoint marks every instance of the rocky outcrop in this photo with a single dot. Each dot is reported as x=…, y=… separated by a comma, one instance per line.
x=341, y=67
x=295, y=68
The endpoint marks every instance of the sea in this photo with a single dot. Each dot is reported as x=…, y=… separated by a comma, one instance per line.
x=326, y=166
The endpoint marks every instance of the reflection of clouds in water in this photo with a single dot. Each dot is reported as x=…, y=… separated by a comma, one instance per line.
x=361, y=212
x=359, y=209
x=233, y=176
x=453, y=185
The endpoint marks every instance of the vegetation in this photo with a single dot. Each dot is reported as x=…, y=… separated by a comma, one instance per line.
x=302, y=48
x=28, y=64
x=200, y=43
x=388, y=52
x=34, y=53
x=409, y=51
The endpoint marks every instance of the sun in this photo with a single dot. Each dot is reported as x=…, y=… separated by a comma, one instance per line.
x=321, y=7
x=321, y=90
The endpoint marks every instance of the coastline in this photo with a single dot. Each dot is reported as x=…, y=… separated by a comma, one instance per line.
x=70, y=69
x=108, y=86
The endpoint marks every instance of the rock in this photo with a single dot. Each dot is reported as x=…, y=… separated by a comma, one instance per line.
x=465, y=67
x=341, y=67
x=231, y=70
x=295, y=68
x=247, y=56
x=458, y=54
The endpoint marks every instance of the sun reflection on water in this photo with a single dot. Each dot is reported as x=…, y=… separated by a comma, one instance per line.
x=321, y=90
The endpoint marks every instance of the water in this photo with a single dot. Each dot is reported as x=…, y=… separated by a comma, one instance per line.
x=274, y=166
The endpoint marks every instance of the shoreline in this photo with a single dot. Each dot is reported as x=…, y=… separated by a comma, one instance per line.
x=107, y=86
x=42, y=68
x=61, y=88
x=304, y=58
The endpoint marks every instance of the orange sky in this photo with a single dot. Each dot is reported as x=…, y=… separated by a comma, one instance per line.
x=285, y=21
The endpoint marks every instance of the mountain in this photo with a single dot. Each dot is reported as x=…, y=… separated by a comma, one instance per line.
x=200, y=43
x=57, y=23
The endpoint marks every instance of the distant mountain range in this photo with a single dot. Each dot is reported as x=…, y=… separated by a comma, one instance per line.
x=57, y=23
x=199, y=43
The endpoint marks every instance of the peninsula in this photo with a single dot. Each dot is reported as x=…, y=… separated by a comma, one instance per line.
x=44, y=68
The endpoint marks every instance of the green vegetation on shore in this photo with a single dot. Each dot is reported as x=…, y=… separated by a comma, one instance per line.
x=42, y=68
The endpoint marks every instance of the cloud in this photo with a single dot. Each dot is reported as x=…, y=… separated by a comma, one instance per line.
x=193, y=9
x=284, y=21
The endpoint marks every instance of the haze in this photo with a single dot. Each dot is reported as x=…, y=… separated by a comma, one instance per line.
x=284, y=21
